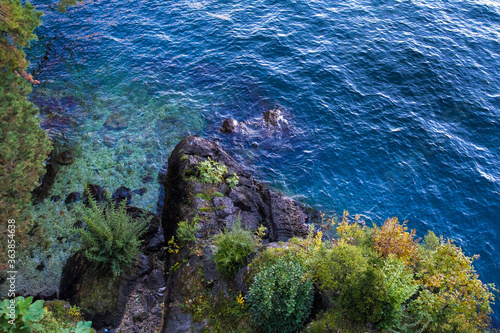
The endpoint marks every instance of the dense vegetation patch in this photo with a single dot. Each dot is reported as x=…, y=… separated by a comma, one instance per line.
x=213, y=172
x=281, y=297
x=22, y=315
x=384, y=278
x=111, y=239
x=24, y=146
x=233, y=249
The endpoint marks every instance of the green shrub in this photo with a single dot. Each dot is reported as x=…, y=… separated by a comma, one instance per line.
x=60, y=317
x=393, y=238
x=233, y=180
x=400, y=286
x=332, y=267
x=112, y=237
x=431, y=242
x=363, y=297
x=451, y=294
x=410, y=322
x=280, y=298
x=211, y=171
x=52, y=324
x=20, y=315
x=233, y=249
x=186, y=231
x=350, y=233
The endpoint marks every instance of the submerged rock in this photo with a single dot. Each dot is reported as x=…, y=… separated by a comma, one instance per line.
x=116, y=121
x=122, y=193
x=274, y=119
x=147, y=179
x=140, y=191
x=72, y=197
x=97, y=192
x=229, y=126
x=65, y=158
x=47, y=180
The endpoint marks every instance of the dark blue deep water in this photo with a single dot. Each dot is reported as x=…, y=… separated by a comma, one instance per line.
x=394, y=106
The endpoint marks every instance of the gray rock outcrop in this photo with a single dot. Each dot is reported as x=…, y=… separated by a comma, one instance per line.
x=254, y=202
x=191, y=269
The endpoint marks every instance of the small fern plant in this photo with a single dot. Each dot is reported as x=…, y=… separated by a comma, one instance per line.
x=233, y=249
x=112, y=238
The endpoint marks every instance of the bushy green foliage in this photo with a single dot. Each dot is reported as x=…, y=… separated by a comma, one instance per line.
x=222, y=313
x=233, y=249
x=363, y=296
x=332, y=267
x=432, y=289
x=297, y=249
x=24, y=146
x=452, y=296
x=400, y=285
x=62, y=318
x=111, y=240
x=431, y=242
x=349, y=232
x=281, y=296
x=186, y=231
x=17, y=24
x=409, y=322
x=25, y=316
x=211, y=171
x=233, y=180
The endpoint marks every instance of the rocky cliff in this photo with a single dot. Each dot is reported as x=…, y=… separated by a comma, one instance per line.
x=191, y=269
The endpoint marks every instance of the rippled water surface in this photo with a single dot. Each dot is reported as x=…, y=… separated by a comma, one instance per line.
x=393, y=106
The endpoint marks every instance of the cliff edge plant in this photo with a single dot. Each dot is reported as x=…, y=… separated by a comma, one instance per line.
x=451, y=294
x=24, y=146
x=233, y=249
x=212, y=172
x=60, y=317
x=281, y=296
x=112, y=238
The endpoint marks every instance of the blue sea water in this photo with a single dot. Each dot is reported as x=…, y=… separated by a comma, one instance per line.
x=394, y=106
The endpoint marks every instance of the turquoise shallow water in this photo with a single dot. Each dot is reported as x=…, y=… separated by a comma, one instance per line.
x=394, y=105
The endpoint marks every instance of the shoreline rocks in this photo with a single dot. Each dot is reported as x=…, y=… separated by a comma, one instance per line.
x=256, y=203
x=148, y=296
x=107, y=300
x=215, y=206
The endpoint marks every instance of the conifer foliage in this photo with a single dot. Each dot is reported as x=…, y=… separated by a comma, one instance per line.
x=24, y=146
